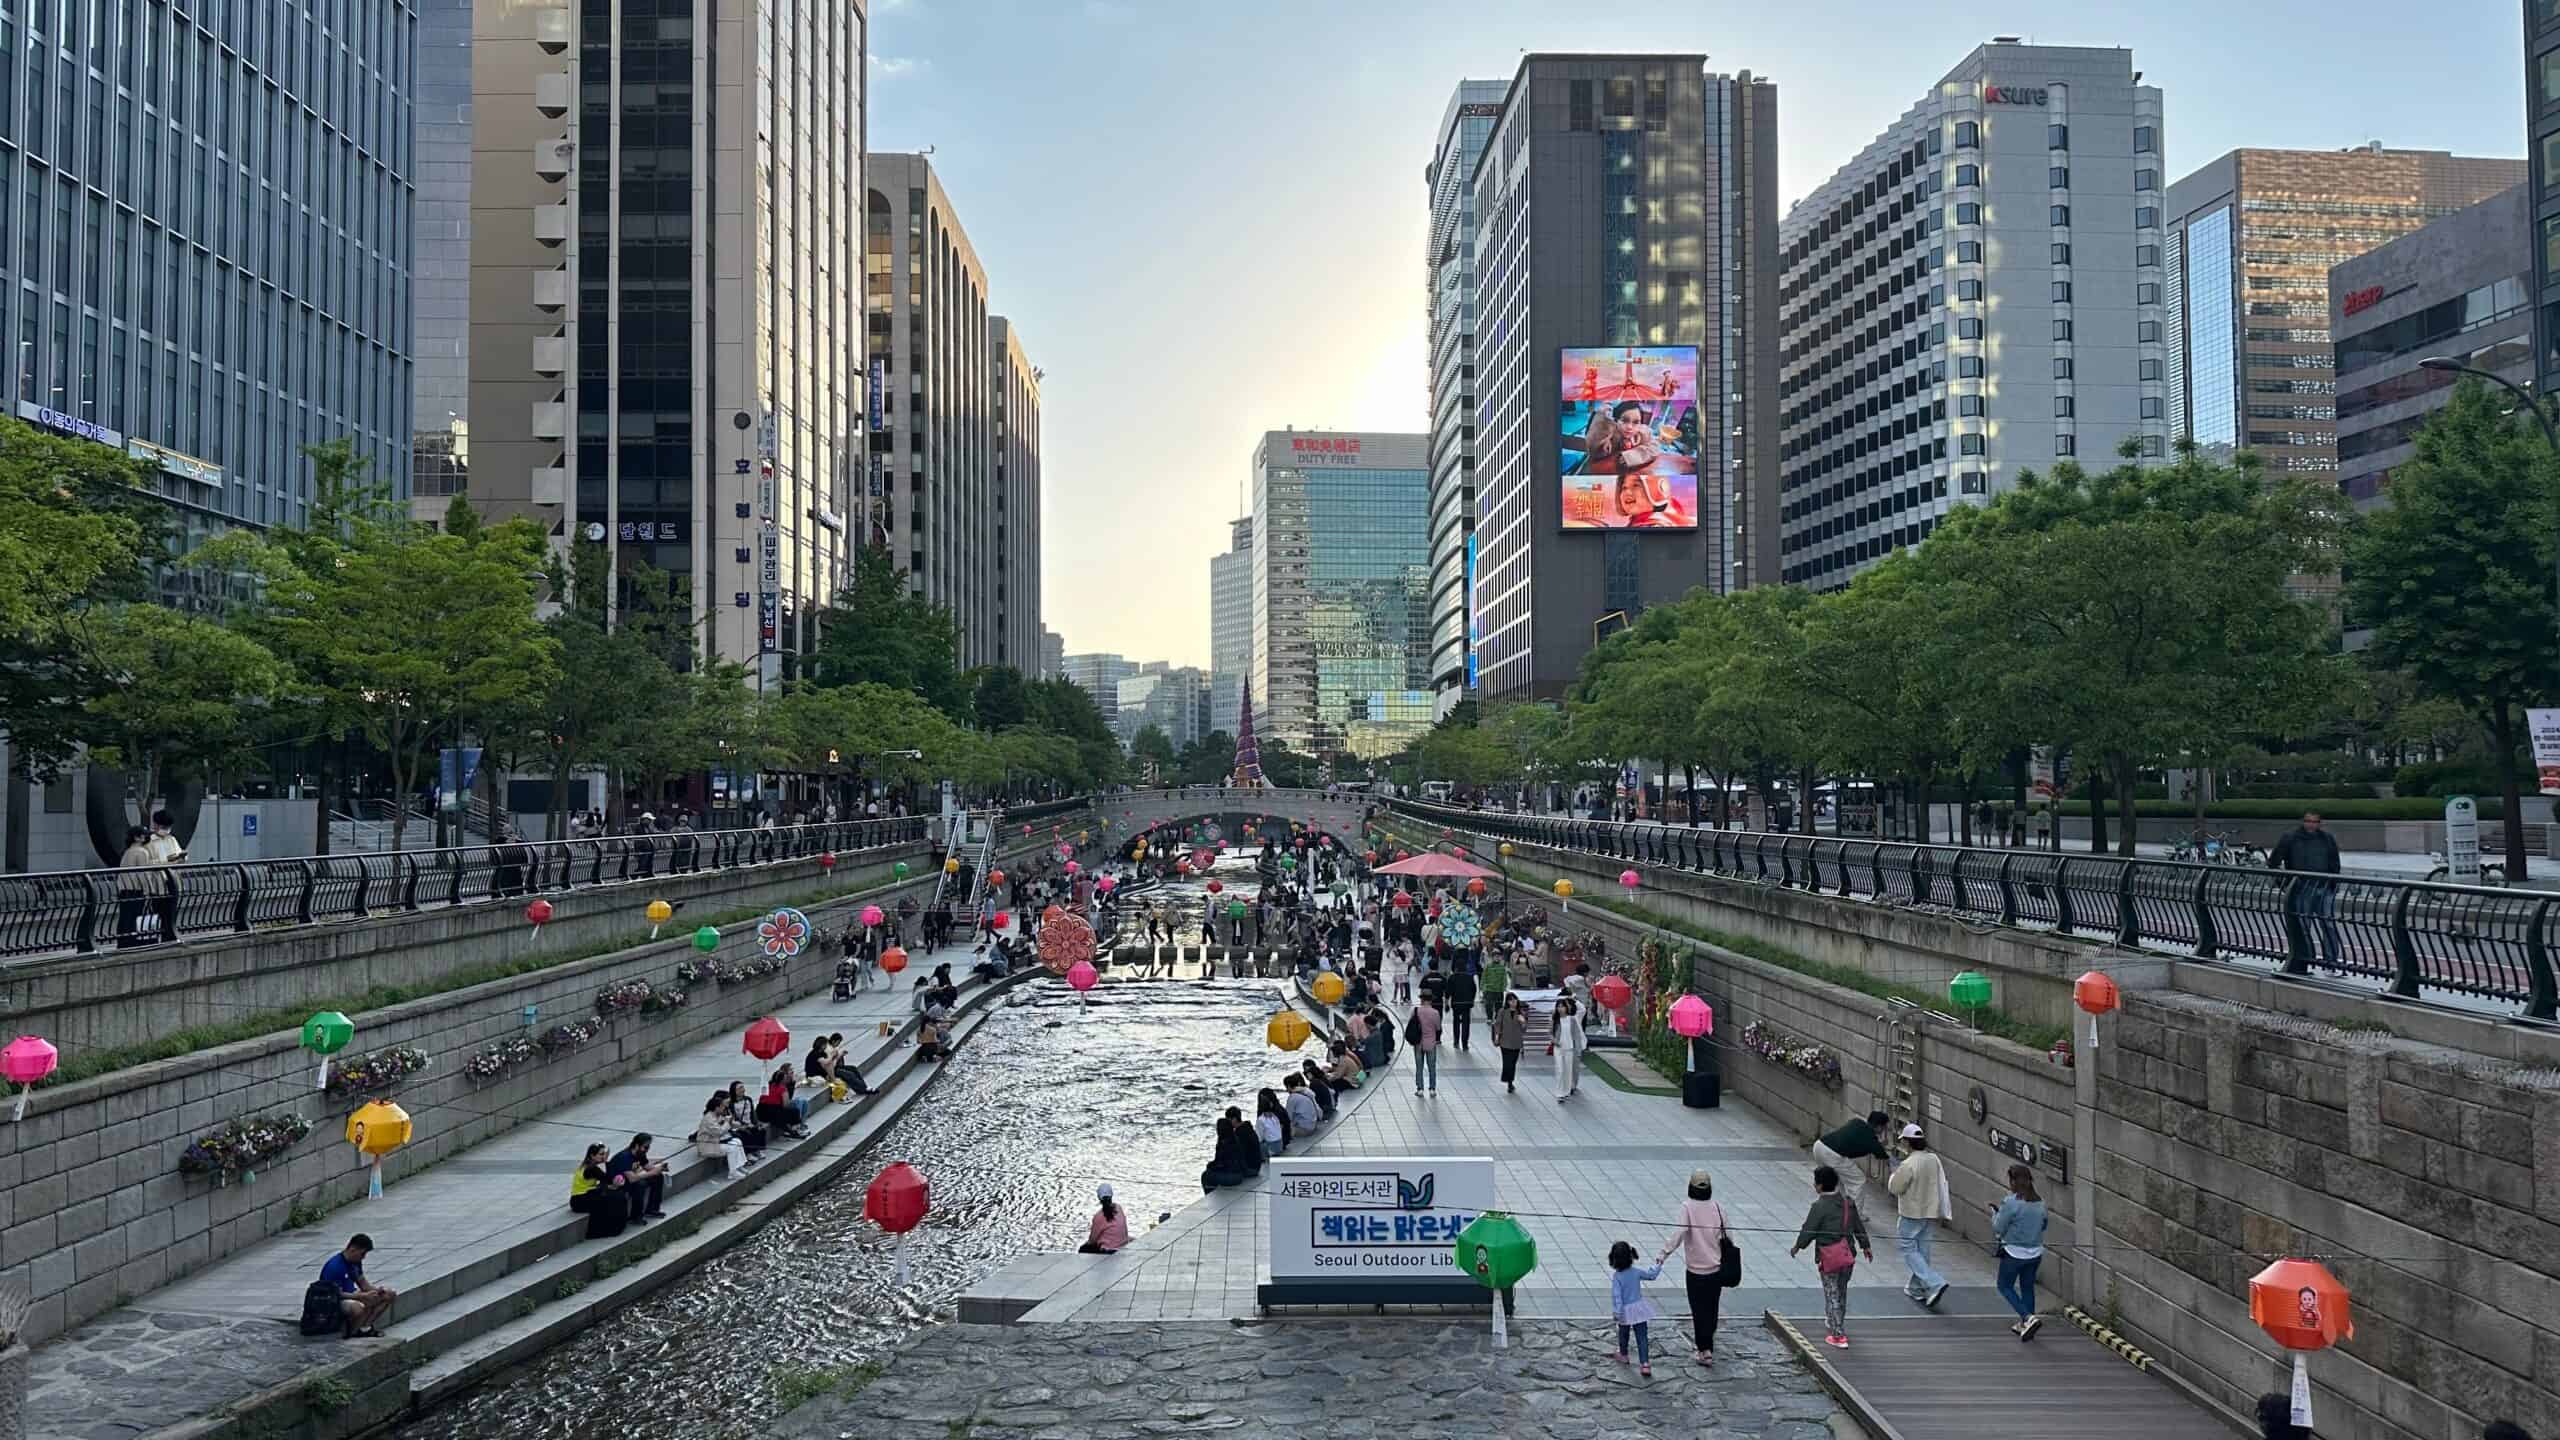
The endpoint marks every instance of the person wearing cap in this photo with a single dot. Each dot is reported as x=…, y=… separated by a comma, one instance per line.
x=1919, y=1186
x=1700, y=1237
x=1109, y=1230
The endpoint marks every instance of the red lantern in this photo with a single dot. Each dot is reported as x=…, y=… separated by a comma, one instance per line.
x=1612, y=992
x=1404, y=899
x=2302, y=1307
x=1404, y=855
x=2095, y=993
x=893, y=959
x=767, y=1038
x=827, y=861
x=995, y=877
x=1475, y=888
x=1052, y=916
x=1214, y=886
x=1369, y=857
x=895, y=1201
x=539, y=912
x=1002, y=920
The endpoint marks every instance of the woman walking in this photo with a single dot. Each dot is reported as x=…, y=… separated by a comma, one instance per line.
x=2017, y=1223
x=1569, y=1046
x=1511, y=1036
x=1701, y=1238
x=1838, y=1235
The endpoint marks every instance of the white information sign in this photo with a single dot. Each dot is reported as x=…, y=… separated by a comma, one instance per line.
x=1383, y=1218
x=2545, y=727
x=2462, y=840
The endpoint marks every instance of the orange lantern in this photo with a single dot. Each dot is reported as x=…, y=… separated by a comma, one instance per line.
x=2302, y=1307
x=2096, y=993
x=1475, y=888
x=893, y=959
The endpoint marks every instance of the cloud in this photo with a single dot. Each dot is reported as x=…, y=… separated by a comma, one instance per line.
x=886, y=67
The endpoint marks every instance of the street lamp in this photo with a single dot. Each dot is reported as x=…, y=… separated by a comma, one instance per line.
x=2450, y=365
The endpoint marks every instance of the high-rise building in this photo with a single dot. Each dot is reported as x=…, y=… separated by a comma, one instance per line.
x=1230, y=625
x=2542, y=144
x=1015, y=521
x=2251, y=239
x=1053, y=654
x=1099, y=675
x=440, y=282
x=1173, y=698
x=2459, y=287
x=206, y=260
x=1977, y=295
x=1449, y=280
x=1341, y=565
x=666, y=337
x=1625, y=355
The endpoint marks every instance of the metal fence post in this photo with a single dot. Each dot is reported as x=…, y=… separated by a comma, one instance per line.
x=2542, y=996
x=2207, y=940
x=2404, y=950
x=2008, y=891
x=2062, y=917
x=2128, y=914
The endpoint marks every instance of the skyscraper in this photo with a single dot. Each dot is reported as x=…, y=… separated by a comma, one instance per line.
x=1449, y=280
x=2251, y=239
x=1099, y=674
x=1341, y=566
x=1015, y=563
x=1625, y=359
x=666, y=336
x=440, y=214
x=1976, y=295
x=2542, y=143
x=1230, y=625
x=1053, y=654
x=206, y=262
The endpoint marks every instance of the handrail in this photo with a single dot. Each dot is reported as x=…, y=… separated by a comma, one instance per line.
x=81, y=911
x=2409, y=936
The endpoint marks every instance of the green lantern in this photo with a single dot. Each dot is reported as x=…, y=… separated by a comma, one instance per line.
x=899, y=870
x=1970, y=990
x=707, y=939
x=1499, y=1254
x=1288, y=862
x=324, y=1035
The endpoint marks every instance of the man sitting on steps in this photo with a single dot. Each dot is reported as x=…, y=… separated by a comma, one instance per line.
x=365, y=1305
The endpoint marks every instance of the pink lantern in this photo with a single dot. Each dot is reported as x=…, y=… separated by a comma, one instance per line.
x=1106, y=884
x=1629, y=878
x=539, y=913
x=1074, y=869
x=1692, y=1017
x=873, y=915
x=1081, y=976
x=27, y=1060
x=827, y=861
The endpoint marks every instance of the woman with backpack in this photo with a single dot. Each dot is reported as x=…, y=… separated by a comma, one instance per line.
x=1706, y=1245
x=1838, y=1235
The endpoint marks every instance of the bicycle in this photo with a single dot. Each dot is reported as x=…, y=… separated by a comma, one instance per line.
x=2491, y=872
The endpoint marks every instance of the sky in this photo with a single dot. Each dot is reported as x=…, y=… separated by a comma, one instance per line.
x=1206, y=217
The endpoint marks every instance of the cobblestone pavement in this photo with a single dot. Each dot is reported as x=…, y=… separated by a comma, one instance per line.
x=137, y=1370
x=1415, y=1379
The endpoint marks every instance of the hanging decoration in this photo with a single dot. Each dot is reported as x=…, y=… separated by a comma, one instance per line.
x=659, y=913
x=26, y=1061
x=767, y=1038
x=377, y=1128
x=539, y=913
x=2303, y=1308
x=783, y=934
x=1499, y=1254
x=324, y=1035
x=2096, y=994
x=896, y=1200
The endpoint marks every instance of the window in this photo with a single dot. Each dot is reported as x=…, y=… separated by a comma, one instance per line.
x=1972, y=289
x=2059, y=177
x=2146, y=293
x=1937, y=256
x=2062, y=292
x=1968, y=213
x=1969, y=367
x=2153, y=407
x=1973, y=482
x=2066, y=445
x=2057, y=137
x=2059, y=215
x=1969, y=328
x=2146, y=254
x=2148, y=332
x=1968, y=252
x=2549, y=73
x=1969, y=134
x=2150, y=370
x=2062, y=407
x=1968, y=174
x=2061, y=329
x=2146, y=217
x=1969, y=404
x=2146, y=179
x=1969, y=444
x=2146, y=139
x=2062, y=367
x=2061, y=253
x=2152, y=445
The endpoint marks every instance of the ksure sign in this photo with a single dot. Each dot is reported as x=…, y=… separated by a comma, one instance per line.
x=2013, y=95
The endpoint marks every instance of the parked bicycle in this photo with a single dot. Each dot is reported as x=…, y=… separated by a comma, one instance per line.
x=2212, y=847
x=2491, y=872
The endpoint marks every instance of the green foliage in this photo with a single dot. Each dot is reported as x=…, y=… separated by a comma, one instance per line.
x=1208, y=760
x=1286, y=768
x=1000, y=700
x=2473, y=774
x=880, y=631
x=77, y=528
x=328, y=1394
x=568, y=1288
x=1151, y=746
x=184, y=692
x=1465, y=755
x=2417, y=807
x=795, y=1385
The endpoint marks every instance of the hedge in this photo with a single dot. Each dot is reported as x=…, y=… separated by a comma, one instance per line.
x=2412, y=808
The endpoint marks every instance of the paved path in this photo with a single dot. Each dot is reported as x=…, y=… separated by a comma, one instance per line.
x=228, y=1331
x=1934, y=1378
x=1343, y=1380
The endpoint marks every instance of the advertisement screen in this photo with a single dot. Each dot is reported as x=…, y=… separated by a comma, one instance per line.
x=1629, y=437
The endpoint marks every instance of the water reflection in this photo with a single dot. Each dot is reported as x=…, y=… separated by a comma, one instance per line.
x=1045, y=1101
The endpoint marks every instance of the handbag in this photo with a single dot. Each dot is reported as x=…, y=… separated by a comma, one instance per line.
x=1833, y=1257
x=1728, y=1254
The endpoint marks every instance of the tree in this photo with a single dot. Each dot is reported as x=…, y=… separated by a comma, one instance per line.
x=1464, y=755
x=1152, y=747
x=2455, y=576
x=1285, y=768
x=76, y=528
x=1208, y=760
x=881, y=632
x=1000, y=700
x=183, y=692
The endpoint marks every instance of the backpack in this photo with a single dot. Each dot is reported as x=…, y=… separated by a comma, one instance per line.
x=321, y=1313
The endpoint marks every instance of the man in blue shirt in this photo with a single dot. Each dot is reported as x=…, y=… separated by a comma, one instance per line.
x=365, y=1305
x=642, y=1180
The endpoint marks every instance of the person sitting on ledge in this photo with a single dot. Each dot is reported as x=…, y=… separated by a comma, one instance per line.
x=1318, y=1086
x=365, y=1305
x=1237, y=1157
x=1109, y=1230
x=1271, y=1122
x=782, y=1108
x=599, y=1196
x=931, y=1040
x=644, y=1179
x=1304, y=1114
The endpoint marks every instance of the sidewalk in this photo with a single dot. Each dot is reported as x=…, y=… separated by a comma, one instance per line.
x=456, y=1240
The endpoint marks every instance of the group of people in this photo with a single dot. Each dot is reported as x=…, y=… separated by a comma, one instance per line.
x=146, y=894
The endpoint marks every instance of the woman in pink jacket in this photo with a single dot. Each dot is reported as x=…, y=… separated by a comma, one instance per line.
x=1701, y=1235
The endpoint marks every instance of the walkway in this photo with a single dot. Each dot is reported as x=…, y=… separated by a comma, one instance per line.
x=465, y=1237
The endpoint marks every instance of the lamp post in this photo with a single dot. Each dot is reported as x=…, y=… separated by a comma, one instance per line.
x=2524, y=397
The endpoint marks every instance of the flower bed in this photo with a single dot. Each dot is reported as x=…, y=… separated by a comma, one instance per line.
x=623, y=996
x=235, y=1151
x=500, y=1058
x=568, y=1038
x=1802, y=1056
x=732, y=972
x=381, y=1070
x=663, y=1002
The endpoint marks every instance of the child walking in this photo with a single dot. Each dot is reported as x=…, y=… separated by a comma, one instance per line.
x=1628, y=1305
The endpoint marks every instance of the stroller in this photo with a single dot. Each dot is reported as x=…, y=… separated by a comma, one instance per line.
x=848, y=967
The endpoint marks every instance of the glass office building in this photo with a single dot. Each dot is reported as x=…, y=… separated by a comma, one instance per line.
x=205, y=224
x=1341, y=590
x=2542, y=146
x=1450, y=279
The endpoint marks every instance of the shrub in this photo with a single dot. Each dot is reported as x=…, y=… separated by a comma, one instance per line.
x=2460, y=775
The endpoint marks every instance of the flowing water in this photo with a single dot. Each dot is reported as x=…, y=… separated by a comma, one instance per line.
x=1046, y=1100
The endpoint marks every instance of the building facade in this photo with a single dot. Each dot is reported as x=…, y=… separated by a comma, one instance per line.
x=2542, y=149
x=1976, y=296
x=1053, y=654
x=205, y=254
x=440, y=281
x=1015, y=571
x=2251, y=240
x=1449, y=280
x=1099, y=674
x=666, y=338
x=1230, y=626
x=1341, y=566
x=1173, y=698
x=1625, y=211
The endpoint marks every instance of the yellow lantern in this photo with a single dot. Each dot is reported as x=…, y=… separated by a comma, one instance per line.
x=659, y=913
x=1564, y=889
x=1506, y=849
x=1327, y=988
x=951, y=866
x=1288, y=1030
x=377, y=1128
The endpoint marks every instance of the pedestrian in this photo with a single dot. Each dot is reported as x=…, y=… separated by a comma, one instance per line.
x=1838, y=1235
x=1568, y=1044
x=715, y=1138
x=1109, y=1229
x=1458, y=994
x=165, y=852
x=644, y=1180
x=2312, y=853
x=1422, y=1032
x=1628, y=1306
x=1304, y=1113
x=1511, y=1036
x=2017, y=1226
x=1919, y=1188
x=1702, y=1239
x=1854, y=1140
x=137, y=882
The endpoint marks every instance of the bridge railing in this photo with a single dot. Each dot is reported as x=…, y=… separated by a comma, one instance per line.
x=80, y=911
x=2411, y=937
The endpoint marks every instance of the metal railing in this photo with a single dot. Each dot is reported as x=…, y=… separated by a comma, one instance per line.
x=2410, y=936
x=81, y=911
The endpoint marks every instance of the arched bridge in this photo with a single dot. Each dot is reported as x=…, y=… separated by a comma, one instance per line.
x=1337, y=814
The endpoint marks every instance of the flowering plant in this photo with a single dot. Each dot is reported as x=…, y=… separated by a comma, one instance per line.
x=623, y=995
x=735, y=972
x=2061, y=1055
x=377, y=1071
x=574, y=1035
x=1801, y=1056
x=689, y=973
x=236, y=1150
x=498, y=1057
x=662, y=1002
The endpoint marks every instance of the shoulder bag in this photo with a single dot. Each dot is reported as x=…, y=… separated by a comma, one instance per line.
x=1728, y=1254
x=1833, y=1257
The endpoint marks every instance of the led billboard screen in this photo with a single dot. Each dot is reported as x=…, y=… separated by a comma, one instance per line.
x=1629, y=437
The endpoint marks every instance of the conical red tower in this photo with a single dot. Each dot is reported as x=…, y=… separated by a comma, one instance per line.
x=1248, y=755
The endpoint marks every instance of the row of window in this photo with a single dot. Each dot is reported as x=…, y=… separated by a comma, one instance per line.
x=2057, y=177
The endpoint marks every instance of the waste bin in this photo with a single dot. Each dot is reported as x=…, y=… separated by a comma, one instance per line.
x=1702, y=1086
